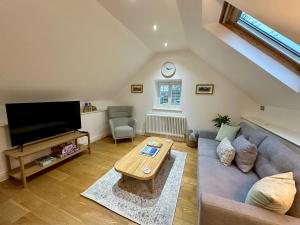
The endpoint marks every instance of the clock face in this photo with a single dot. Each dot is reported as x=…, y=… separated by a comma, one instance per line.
x=168, y=69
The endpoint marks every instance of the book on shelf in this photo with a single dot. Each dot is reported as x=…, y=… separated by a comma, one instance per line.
x=154, y=144
x=149, y=151
x=45, y=160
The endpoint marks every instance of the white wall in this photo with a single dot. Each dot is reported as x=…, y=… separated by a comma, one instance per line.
x=287, y=118
x=199, y=109
x=95, y=123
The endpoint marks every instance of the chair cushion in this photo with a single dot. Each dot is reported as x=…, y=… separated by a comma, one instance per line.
x=275, y=193
x=245, y=153
x=208, y=147
x=227, y=182
x=123, y=131
x=273, y=158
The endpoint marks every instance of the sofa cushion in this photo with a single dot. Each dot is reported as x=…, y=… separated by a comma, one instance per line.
x=252, y=134
x=226, y=152
x=123, y=131
x=275, y=193
x=245, y=153
x=227, y=131
x=227, y=182
x=273, y=158
x=208, y=147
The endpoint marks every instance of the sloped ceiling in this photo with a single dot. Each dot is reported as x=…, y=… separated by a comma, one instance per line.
x=254, y=81
x=64, y=49
x=87, y=50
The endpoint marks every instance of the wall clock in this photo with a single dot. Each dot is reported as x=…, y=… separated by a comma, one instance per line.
x=168, y=69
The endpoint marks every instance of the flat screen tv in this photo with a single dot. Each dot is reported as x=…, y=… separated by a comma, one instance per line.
x=30, y=122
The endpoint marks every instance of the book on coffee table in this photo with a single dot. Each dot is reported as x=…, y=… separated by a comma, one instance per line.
x=149, y=151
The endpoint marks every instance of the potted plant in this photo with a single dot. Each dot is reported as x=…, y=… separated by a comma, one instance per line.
x=221, y=119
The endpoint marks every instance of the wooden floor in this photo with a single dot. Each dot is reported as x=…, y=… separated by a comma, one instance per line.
x=54, y=196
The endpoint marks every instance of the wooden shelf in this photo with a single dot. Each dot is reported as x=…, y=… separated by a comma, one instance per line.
x=33, y=168
x=45, y=144
x=24, y=171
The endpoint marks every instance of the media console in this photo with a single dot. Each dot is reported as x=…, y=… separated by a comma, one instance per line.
x=24, y=171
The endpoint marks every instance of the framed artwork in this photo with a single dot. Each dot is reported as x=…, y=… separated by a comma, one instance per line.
x=136, y=88
x=204, y=89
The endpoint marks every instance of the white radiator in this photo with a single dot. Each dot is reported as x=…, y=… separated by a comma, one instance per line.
x=166, y=125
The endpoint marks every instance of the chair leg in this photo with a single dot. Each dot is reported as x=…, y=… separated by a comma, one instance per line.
x=115, y=141
x=131, y=139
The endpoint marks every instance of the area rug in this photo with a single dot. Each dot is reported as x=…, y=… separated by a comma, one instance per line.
x=133, y=199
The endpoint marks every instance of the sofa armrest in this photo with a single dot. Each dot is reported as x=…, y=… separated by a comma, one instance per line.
x=215, y=210
x=209, y=134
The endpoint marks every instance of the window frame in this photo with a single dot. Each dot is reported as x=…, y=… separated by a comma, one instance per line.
x=230, y=17
x=169, y=105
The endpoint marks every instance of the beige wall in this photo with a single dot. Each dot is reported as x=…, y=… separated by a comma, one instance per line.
x=199, y=109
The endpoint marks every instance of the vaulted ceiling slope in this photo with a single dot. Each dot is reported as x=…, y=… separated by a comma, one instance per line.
x=64, y=49
x=254, y=81
x=87, y=50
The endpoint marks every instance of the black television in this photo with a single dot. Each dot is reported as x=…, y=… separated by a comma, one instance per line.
x=30, y=122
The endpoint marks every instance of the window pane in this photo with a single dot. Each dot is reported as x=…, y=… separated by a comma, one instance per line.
x=163, y=94
x=176, y=94
x=274, y=35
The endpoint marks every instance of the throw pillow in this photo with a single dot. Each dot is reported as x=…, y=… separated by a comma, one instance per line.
x=227, y=131
x=275, y=193
x=245, y=154
x=225, y=152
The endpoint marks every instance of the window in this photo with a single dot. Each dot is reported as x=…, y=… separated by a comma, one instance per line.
x=262, y=36
x=168, y=94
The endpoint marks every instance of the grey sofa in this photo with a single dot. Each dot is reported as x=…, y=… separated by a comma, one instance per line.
x=221, y=190
x=122, y=125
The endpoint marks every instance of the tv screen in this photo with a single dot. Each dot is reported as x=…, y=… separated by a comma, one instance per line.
x=29, y=122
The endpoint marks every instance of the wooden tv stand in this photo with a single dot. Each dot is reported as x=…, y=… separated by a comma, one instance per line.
x=24, y=171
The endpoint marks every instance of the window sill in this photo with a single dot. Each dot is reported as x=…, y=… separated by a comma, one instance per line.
x=167, y=109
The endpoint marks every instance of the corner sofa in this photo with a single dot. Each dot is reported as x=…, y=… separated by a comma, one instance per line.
x=222, y=191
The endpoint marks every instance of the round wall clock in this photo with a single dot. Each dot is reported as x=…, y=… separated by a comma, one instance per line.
x=168, y=69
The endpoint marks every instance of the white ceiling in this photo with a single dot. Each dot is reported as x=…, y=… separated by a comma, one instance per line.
x=140, y=15
x=87, y=50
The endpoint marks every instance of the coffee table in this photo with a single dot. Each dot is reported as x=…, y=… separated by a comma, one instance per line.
x=133, y=163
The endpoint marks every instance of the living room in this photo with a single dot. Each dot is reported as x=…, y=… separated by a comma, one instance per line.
x=138, y=112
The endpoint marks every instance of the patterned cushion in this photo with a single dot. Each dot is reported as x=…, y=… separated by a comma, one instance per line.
x=275, y=193
x=225, y=152
x=245, y=153
x=227, y=131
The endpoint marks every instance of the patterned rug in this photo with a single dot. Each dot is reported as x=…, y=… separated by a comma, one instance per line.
x=133, y=199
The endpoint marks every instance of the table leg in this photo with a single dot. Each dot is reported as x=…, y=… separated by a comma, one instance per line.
x=169, y=154
x=8, y=163
x=89, y=143
x=22, y=172
x=152, y=185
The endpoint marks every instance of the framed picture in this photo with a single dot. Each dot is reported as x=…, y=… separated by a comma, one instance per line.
x=204, y=89
x=136, y=88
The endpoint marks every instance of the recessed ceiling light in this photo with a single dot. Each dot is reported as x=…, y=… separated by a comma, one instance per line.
x=166, y=44
x=155, y=27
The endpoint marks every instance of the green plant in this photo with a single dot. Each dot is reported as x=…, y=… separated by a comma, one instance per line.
x=221, y=119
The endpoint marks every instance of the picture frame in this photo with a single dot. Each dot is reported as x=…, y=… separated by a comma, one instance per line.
x=204, y=89
x=137, y=88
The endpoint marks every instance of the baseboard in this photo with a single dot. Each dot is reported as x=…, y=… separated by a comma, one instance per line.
x=140, y=132
x=3, y=176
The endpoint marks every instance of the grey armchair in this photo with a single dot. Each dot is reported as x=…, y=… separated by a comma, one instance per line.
x=122, y=125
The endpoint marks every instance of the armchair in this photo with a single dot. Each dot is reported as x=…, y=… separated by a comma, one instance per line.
x=122, y=125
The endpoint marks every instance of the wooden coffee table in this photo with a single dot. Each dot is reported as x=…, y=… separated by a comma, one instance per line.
x=133, y=163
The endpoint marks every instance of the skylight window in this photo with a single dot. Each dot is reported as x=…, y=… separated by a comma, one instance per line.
x=273, y=43
x=270, y=33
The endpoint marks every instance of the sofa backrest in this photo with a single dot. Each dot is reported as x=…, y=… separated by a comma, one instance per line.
x=253, y=135
x=273, y=158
